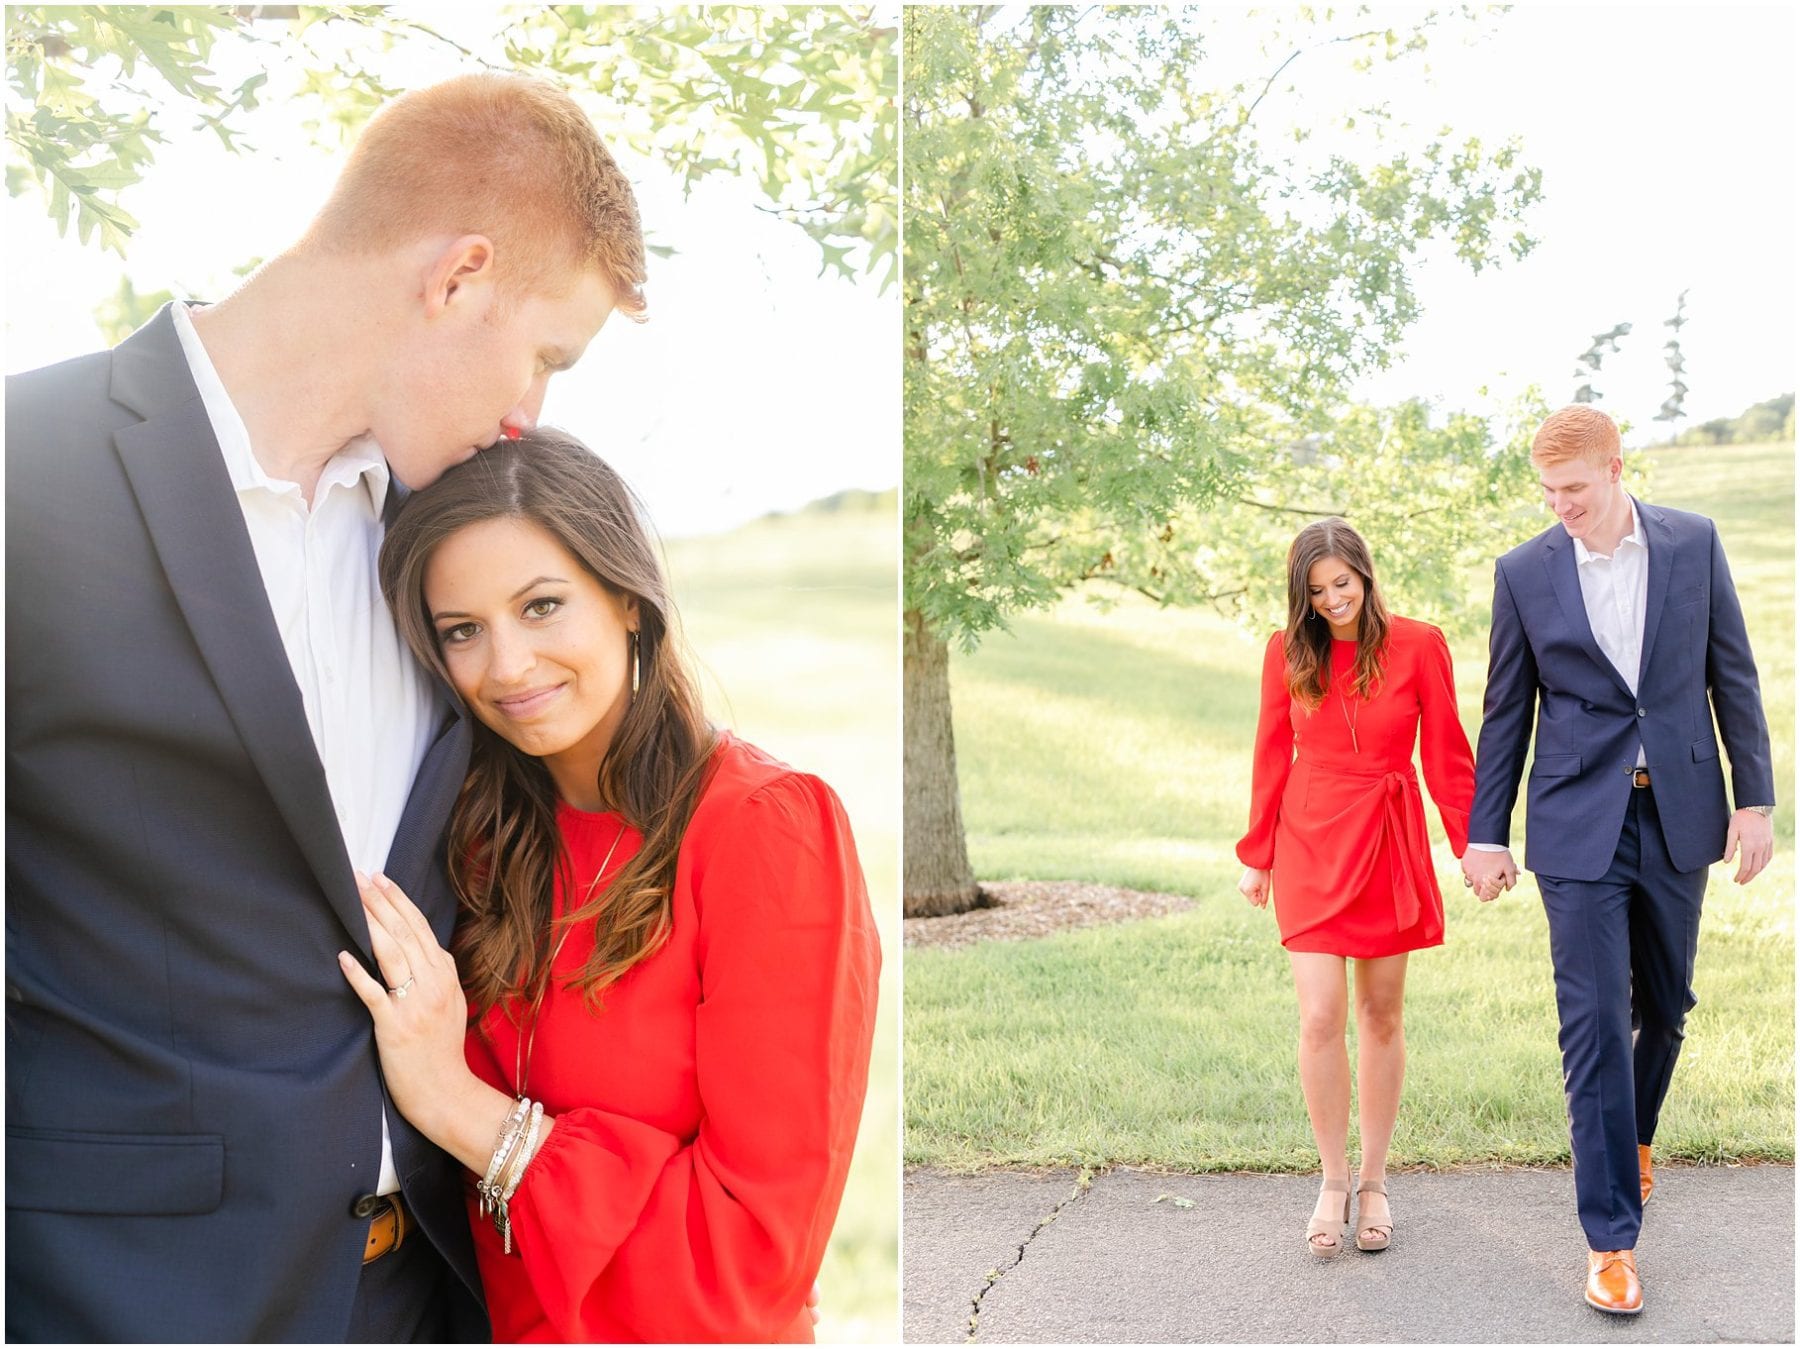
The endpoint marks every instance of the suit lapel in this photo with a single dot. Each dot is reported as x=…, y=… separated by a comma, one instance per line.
x=1559, y=560
x=178, y=476
x=1660, y=538
x=393, y=501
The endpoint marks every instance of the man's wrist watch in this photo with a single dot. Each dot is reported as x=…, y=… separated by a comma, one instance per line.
x=1767, y=812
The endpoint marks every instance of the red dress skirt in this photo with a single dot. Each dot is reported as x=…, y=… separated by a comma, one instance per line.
x=706, y=1110
x=1335, y=808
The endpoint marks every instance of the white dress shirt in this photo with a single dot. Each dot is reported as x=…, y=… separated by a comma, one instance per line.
x=1613, y=590
x=369, y=707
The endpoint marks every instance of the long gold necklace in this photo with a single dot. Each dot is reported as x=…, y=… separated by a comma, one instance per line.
x=522, y=1050
x=1349, y=716
x=1350, y=721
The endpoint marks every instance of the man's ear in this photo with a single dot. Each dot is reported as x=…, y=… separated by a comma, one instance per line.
x=460, y=266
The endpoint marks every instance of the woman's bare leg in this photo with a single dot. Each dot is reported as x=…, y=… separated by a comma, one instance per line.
x=1325, y=1066
x=1380, y=1067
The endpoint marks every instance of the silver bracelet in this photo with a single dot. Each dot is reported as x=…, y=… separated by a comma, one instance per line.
x=513, y=1174
x=510, y=1130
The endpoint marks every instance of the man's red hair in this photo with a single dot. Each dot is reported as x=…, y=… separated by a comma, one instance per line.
x=1579, y=431
x=505, y=156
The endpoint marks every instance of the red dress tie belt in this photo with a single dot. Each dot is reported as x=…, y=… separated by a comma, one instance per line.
x=1409, y=868
x=1402, y=819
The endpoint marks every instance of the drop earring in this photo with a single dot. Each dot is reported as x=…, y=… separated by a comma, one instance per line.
x=634, y=664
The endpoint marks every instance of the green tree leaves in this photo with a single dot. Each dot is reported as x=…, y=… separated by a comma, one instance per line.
x=1126, y=303
x=83, y=149
x=798, y=100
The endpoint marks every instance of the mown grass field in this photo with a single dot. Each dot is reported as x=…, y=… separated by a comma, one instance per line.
x=1115, y=747
x=793, y=623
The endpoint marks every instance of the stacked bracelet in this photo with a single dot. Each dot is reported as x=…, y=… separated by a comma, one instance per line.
x=503, y=1146
x=517, y=1144
x=515, y=1172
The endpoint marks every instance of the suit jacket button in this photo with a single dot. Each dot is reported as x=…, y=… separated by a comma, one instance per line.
x=366, y=1206
x=1640, y=711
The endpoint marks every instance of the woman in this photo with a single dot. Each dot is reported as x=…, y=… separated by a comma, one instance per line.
x=1336, y=820
x=667, y=950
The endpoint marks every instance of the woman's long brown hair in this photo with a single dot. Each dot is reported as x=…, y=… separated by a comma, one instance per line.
x=506, y=853
x=1308, y=639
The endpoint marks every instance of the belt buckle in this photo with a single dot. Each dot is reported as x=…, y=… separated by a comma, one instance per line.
x=387, y=1230
x=1640, y=777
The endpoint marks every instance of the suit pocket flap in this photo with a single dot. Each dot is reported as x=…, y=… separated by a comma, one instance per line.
x=56, y=1171
x=1705, y=749
x=1556, y=765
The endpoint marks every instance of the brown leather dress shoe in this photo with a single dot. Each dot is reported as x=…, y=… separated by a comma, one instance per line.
x=1612, y=1283
x=1646, y=1181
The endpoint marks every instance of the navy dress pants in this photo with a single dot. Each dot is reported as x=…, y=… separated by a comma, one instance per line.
x=1623, y=951
x=405, y=1297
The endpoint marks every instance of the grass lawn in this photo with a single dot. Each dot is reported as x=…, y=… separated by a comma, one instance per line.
x=1115, y=747
x=792, y=620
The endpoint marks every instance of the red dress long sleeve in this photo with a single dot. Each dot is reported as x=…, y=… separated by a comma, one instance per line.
x=706, y=1112
x=1273, y=761
x=1336, y=813
x=1444, y=750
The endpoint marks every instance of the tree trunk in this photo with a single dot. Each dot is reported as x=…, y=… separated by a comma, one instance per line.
x=938, y=877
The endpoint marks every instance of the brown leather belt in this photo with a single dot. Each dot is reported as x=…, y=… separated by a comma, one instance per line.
x=1640, y=777
x=387, y=1229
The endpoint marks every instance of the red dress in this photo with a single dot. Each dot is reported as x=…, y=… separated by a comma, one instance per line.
x=705, y=1113
x=1339, y=820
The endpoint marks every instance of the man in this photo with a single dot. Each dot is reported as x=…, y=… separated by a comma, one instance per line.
x=212, y=719
x=1617, y=624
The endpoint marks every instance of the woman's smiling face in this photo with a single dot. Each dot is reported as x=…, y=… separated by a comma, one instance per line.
x=1335, y=591
x=538, y=648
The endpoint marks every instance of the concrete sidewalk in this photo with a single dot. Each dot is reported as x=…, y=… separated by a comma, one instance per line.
x=1478, y=1255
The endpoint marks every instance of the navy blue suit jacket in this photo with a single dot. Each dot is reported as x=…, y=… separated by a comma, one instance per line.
x=1696, y=665
x=193, y=1098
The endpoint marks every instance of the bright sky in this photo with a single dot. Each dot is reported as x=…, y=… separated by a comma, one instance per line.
x=1667, y=137
x=756, y=386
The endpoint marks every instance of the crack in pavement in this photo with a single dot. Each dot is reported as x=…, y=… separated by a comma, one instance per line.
x=1083, y=1183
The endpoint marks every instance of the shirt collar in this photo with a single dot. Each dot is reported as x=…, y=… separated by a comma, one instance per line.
x=1636, y=538
x=360, y=458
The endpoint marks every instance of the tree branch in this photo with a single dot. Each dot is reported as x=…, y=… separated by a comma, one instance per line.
x=792, y=214
x=1295, y=55
x=1269, y=83
x=1286, y=510
x=1149, y=594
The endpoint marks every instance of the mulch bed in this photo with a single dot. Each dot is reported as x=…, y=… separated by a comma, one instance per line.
x=1022, y=910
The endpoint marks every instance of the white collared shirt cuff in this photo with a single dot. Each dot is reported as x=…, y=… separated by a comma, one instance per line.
x=1489, y=847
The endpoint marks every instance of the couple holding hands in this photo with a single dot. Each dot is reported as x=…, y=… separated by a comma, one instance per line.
x=394, y=950
x=1619, y=628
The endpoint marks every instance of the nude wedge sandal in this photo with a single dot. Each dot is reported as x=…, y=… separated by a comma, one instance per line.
x=1385, y=1230
x=1329, y=1227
